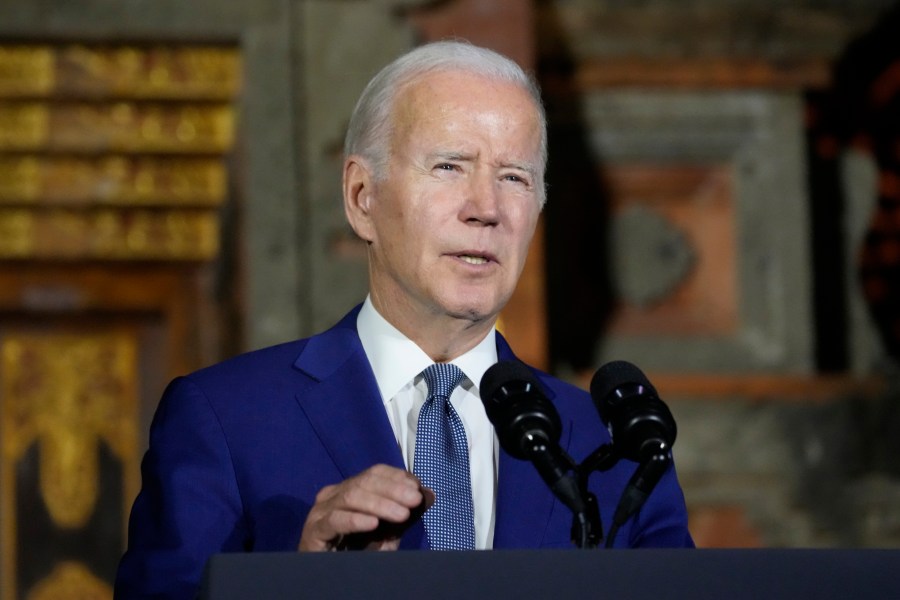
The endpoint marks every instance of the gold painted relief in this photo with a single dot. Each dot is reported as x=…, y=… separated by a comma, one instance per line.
x=108, y=152
x=128, y=127
x=104, y=71
x=71, y=581
x=196, y=72
x=112, y=180
x=24, y=125
x=26, y=70
x=65, y=392
x=109, y=234
x=16, y=233
x=85, y=140
x=20, y=179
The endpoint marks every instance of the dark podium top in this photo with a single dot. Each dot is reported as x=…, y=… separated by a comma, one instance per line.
x=557, y=574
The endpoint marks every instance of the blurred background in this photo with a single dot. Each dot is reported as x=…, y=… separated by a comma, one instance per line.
x=724, y=212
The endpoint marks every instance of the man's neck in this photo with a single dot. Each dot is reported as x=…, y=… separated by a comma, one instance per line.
x=442, y=337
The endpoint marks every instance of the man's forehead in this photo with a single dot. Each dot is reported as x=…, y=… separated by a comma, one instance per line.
x=440, y=107
x=459, y=85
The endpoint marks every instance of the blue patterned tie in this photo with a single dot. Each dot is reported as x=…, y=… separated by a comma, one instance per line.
x=441, y=463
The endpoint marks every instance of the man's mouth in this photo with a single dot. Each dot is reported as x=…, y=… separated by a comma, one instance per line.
x=473, y=260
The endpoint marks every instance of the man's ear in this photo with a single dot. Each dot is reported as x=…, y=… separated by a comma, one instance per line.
x=359, y=195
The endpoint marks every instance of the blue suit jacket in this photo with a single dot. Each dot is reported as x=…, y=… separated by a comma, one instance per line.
x=239, y=450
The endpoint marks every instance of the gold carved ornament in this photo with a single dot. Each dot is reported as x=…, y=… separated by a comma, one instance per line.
x=71, y=580
x=26, y=70
x=24, y=125
x=67, y=392
x=111, y=71
x=128, y=127
x=109, y=234
x=207, y=72
x=31, y=179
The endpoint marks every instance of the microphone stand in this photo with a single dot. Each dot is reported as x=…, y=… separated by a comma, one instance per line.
x=569, y=485
x=587, y=530
x=601, y=459
x=651, y=467
x=649, y=471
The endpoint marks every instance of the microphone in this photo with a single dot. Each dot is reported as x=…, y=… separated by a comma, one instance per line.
x=639, y=423
x=642, y=429
x=529, y=427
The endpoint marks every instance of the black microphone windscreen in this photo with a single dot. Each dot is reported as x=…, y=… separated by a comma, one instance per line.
x=616, y=373
x=501, y=374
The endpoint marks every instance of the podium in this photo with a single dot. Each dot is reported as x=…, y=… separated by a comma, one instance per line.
x=557, y=574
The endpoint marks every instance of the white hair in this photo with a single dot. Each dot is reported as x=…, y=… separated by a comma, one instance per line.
x=370, y=127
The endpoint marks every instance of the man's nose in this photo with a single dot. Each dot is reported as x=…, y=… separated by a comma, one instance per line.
x=482, y=204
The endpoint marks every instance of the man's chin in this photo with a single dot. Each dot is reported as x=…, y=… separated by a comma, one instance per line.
x=478, y=306
x=475, y=314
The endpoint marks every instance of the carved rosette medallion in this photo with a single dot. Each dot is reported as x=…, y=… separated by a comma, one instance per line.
x=652, y=256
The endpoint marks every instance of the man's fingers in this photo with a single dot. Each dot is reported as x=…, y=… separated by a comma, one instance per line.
x=377, y=496
x=382, y=504
x=341, y=522
x=390, y=482
x=427, y=498
x=324, y=531
x=386, y=492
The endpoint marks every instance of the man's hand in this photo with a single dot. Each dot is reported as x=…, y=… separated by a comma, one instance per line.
x=370, y=511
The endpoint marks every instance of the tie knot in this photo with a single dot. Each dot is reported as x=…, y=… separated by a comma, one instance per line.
x=442, y=379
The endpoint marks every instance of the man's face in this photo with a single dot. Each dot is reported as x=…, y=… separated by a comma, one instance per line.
x=452, y=220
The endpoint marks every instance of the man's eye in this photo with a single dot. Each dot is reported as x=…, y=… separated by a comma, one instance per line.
x=446, y=167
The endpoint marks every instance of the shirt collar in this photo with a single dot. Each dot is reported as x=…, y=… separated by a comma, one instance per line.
x=396, y=360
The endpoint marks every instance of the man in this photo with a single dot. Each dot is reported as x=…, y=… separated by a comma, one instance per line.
x=316, y=444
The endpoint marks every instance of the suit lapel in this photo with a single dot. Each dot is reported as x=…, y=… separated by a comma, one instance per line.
x=524, y=502
x=342, y=404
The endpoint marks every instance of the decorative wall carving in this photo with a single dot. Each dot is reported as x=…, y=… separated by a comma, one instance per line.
x=64, y=394
x=111, y=180
x=659, y=259
x=112, y=156
x=108, y=234
x=83, y=126
x=703, y=159
x=128, y=127
x=71, y=580
x=120, y=71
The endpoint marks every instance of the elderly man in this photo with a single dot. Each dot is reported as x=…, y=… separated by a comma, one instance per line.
x=345, y=439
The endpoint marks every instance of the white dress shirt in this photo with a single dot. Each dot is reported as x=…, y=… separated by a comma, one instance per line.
x=398, y=364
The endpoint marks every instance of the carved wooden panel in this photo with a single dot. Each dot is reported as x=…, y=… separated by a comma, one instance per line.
x=68, y=402
x=114, y=152
x=113, y=182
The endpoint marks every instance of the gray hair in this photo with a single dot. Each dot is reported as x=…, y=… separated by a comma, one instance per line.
x=369, y=131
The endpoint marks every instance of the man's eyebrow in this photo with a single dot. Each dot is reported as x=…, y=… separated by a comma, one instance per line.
x=468, y=157
x=451, y=155
x=527, y=167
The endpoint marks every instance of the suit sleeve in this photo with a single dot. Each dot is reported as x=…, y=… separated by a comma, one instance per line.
x=663, y=521
x=189, y=506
